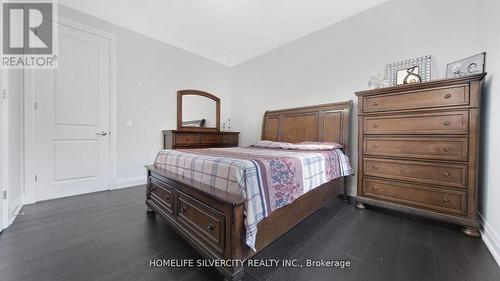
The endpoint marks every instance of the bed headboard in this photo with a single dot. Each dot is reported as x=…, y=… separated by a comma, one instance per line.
x=324, y=122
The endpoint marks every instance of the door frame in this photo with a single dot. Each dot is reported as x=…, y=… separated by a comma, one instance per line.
x=4, y=203
x=29, y=120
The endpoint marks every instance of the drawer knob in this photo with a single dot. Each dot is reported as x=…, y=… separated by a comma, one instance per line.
x=375, y=103
x=446, y=149
x=446, y=200
x=183, y=208
x=210, y=227
x=153, y=188
x=375, y=146
x=374, y=188
x=446, y=174
x=447, y=123
x=375, y=125
x=375, y=167
x=447, y=96
x=167, y=197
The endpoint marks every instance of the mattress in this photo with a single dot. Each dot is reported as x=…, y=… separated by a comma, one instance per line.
x=267, y=178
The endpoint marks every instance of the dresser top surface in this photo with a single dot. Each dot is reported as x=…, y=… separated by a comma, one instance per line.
x=199, y=132
x=423, y=86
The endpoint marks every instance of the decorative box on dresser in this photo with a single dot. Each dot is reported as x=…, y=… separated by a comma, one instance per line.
x=418, y=149
x=174, y=139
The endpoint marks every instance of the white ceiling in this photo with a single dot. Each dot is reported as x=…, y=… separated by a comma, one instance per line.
x=226, y=31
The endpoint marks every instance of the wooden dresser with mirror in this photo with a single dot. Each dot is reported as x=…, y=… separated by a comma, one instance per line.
x=418, y=149
x=198, y=123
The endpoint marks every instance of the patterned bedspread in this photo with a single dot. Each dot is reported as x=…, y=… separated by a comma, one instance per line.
x=267, y=178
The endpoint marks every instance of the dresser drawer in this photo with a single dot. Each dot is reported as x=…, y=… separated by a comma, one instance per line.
x=440, y=97
x=209, y=138
x=203, y=221
x=427, y=148
x=186, y=139
x=161, y=195
x=449, y=201
x=452, y=175
x=456, y=122
x=230, y=139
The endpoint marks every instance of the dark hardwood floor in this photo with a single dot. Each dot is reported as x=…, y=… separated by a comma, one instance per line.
x=108, y=236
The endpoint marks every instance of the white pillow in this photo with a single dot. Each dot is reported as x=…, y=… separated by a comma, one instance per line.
x=307, y=145
x=273, y=144
x=318, y=145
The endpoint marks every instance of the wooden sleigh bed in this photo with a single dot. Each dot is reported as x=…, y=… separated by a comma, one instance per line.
x=212, y=221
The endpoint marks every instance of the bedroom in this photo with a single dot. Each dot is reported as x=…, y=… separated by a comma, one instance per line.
x=86, y=219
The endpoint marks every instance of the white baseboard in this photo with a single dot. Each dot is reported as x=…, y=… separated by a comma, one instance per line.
x=490, y=238
x=128, y=182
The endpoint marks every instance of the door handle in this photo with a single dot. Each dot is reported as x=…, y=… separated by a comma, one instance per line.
x=101, y=133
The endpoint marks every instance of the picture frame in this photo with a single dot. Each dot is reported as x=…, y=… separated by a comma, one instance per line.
x=423, y=64
x=469, y=66
x=408, y=76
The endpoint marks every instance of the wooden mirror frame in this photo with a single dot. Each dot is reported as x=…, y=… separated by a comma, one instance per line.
x=181, y=94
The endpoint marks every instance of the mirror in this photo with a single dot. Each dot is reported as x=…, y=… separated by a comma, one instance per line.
x=197, y=111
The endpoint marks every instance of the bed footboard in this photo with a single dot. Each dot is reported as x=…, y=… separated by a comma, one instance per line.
x=204, y=217
x=212, y=221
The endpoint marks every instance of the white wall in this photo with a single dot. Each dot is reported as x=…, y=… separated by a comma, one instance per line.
x=490, y=176
x=331, y=64
x=149, y=75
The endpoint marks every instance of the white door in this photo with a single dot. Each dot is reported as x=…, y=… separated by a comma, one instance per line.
x=14, y=140
x=11, y=189
x=71, y=113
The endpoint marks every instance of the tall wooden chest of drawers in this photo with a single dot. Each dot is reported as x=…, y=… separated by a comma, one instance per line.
x=418, y=149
